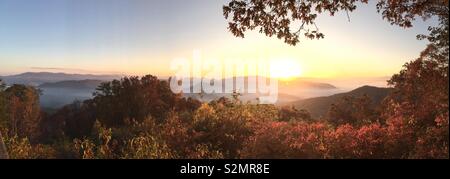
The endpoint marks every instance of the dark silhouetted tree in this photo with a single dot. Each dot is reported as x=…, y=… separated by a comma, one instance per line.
x=73, y=121
x=294, y=114
x=135, y=99
x=278, y=17
x=356, y=111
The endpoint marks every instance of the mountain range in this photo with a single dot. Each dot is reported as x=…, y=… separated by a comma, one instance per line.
x=38, y=78
x=59, y=89
x=57, y=94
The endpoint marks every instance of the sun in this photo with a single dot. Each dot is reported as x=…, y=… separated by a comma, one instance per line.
x=285, y=69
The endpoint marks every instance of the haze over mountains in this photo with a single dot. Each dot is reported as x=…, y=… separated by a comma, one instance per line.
x=288, y=91
x=59, y=89
x=58, y=94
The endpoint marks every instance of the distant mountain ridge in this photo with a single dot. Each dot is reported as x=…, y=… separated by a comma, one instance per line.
x=319, y=106
x=59, y=89
x=303, y=83
x=38, y=78
x=288, y=91
x=62, y=88
x=73, y=84
x=292, y=90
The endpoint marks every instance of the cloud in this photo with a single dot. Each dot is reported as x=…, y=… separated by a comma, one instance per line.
x=71, y=70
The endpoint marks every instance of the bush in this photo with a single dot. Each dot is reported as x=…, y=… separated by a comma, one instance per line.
x=20, y=148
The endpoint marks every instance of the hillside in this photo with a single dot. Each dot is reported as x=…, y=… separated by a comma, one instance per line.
x=320, y=105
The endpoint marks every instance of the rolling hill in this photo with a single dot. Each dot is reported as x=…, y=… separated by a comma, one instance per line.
x=319, y=106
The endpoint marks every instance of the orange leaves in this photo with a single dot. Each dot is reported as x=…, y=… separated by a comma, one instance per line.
x=286, y=140
x=277, y=17
x=23, y=111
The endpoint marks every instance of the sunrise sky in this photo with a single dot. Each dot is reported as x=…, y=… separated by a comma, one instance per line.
x=137, y=37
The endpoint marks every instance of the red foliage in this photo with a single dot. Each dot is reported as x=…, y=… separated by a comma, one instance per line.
x=317, y=140
x=287, y=140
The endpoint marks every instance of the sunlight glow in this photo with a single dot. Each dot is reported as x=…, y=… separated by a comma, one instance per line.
x=285, y=69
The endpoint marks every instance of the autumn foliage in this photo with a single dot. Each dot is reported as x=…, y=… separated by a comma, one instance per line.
x=136, y=118
x=227, y=128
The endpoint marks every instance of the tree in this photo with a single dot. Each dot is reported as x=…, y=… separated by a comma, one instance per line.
x=352, y=110
x=3, y=152
x=421, y=87
x=223, y=128
x=135, y=99
x=287, y=141
x=2, y=104
x=23, y=113
x=277, y=17
x=420, y=100
x=420, y=96
x=73, y=121
x=294, y=114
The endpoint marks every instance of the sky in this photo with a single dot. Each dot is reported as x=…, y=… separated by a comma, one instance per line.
x=138, y=37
